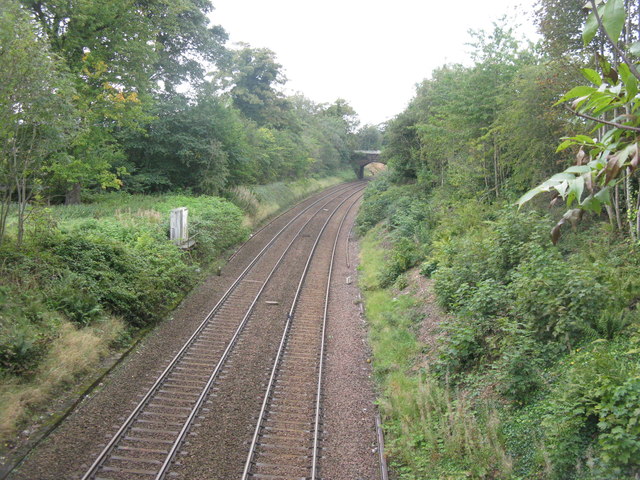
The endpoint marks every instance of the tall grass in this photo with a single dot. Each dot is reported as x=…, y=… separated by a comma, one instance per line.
x=73, y=353
x=432, y=430
x=263, y=201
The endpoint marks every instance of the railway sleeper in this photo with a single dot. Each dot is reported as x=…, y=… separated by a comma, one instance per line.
x=143, y=450
x=275, y=477
x=281, y=469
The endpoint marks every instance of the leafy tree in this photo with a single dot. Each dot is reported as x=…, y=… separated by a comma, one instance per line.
x=605, y=162
x=36, y=115
x=120, y=53
x=253, y=78
x=201, y=145
x=341, y=109
x=369, y=137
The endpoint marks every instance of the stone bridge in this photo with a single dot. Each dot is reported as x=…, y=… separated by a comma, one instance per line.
x=362, y=158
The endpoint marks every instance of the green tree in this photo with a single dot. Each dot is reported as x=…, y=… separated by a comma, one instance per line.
x=608, y=150
x=369, y=137
x=37, y=118
x=254, y=78
x=120, y=53
x=201, y=145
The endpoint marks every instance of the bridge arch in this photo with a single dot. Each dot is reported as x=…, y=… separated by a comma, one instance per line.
x=362, y=158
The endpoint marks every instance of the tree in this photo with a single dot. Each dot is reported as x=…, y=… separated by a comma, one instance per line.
x=37, y=118
x=369, y=137
x=253, y=78
x=120, y=54
x=608, y=154
x=198, y=144
x=342, y=110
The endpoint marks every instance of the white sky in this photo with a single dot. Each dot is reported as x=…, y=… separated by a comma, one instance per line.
x=370, y=52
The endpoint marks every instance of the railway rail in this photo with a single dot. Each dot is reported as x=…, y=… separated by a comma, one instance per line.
x=146, y=444
x=287, y=435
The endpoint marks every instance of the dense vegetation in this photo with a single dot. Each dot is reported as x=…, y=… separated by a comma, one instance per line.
x=532, y=369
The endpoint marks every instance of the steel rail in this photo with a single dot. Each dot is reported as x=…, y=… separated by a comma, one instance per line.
x=232, y=342
x=274, y=371
x=161, y=378
x=335, y=189
x=325, y=315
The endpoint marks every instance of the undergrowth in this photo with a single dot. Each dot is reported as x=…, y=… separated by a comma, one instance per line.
x=540, y=352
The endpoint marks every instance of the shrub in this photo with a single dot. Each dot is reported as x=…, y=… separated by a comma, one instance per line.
x=70, y=296
x=560, y=301
x=428, y=267
x=404, y=255
x=25, y=331
x=595, y=405
x=215, y=223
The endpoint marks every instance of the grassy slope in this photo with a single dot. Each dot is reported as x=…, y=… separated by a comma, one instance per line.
x=431, y=431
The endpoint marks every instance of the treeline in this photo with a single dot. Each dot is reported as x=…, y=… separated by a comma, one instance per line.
x=533, y=370
x=146, y=96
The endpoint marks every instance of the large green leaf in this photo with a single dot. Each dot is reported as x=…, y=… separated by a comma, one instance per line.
x=575, y=92
x=613, y=18
x=579, y=169
x=591, y=26
x=529, y=195
x=576, y=189
x=635, y=49
x=592, y=76
x=566, y=144
x=630, y=81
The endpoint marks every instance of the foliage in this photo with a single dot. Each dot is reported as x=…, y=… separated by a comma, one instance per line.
x=36, y=116
x=25, y=331
x=520, y=307
x=132, y=129
x=606, y=160
x=595, y=406
x=432, y=430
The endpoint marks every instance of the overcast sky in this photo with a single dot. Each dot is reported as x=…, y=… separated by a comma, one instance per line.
x=369, y=52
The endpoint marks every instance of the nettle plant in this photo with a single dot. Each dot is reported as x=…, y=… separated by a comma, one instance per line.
x=608, y=157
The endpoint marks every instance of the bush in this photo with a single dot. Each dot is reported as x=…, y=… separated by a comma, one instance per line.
x=214, y=223
x=70, y=296
x=405, y=254
x=25, y=331
x=594, y=413
x=559, y=299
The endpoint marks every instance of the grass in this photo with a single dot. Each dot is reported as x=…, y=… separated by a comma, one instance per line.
x=431, y=430
x=75, y=352
x=263, y=201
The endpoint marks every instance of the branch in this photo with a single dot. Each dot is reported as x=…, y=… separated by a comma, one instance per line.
x=605, y=122
x=620, y=52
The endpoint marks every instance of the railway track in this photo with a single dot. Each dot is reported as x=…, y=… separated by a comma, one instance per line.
x=146, y=444
x=286, y=439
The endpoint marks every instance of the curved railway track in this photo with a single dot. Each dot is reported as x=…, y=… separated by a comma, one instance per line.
x=146, y=444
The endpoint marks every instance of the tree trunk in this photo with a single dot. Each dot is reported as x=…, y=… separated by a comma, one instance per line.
x=72, y=197
x=5, y=206
x=496, y=167
x=616, y=206
x=627, y=194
